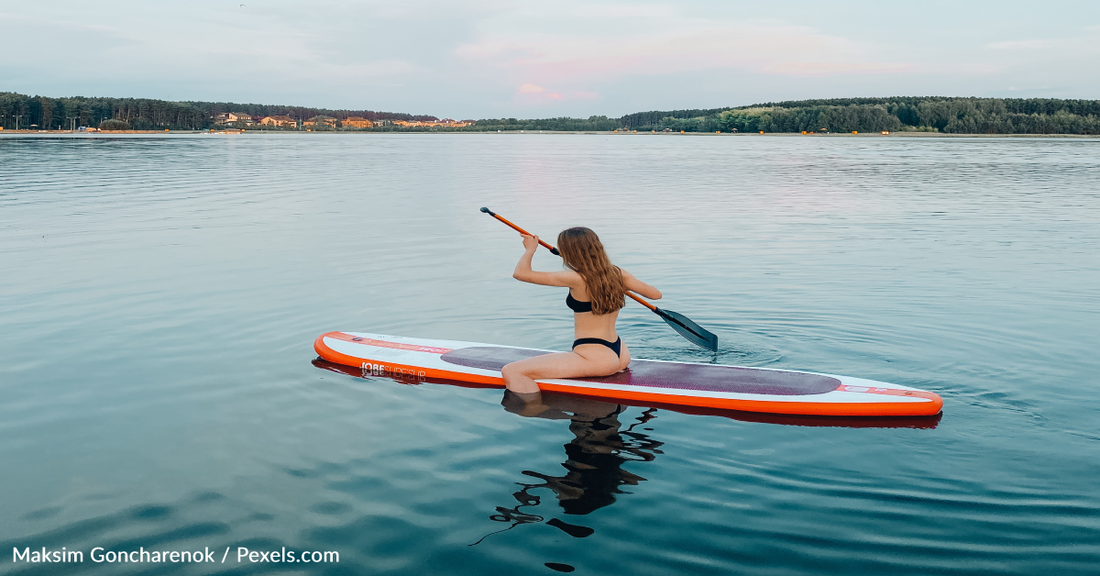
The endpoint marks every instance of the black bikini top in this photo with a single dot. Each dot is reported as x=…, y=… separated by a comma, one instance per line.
x=576, y=305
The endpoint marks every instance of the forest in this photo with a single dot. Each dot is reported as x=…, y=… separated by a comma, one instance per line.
x=47, y=113
x=925, y=114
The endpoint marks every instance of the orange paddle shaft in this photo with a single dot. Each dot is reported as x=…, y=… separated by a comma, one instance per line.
x=520, y=230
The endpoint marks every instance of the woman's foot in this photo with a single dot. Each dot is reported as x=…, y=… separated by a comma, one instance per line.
x=518, y=382
x=524, y=404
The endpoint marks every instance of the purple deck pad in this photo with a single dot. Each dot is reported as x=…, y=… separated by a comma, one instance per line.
x=668, y=375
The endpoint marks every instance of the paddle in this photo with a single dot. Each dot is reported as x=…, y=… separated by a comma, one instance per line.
x=693, y=332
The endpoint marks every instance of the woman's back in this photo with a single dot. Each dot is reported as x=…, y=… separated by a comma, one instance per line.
x=590, y=324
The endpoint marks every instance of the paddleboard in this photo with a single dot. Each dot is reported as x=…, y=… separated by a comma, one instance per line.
x=762, y=390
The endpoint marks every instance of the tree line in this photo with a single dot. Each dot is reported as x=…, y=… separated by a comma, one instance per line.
x=927, y=114
x=48, y=113
x=930, y=114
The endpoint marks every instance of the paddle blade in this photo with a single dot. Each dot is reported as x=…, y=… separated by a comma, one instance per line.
x=695, y=333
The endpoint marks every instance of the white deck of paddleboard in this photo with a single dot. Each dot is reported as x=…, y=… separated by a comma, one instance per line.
x=856, y=392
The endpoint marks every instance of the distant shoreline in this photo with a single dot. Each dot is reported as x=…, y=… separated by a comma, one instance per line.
x=967, y=116
x=902, y=134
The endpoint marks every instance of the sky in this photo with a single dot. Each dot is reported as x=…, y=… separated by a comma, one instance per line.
x=537, y=59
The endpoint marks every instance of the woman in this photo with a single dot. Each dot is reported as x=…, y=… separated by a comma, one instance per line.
x=596, y=293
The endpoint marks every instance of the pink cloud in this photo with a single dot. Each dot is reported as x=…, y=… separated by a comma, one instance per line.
x=535, y=94
x=530, y=89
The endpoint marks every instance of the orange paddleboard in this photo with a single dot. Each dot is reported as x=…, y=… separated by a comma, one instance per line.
x=763, y=390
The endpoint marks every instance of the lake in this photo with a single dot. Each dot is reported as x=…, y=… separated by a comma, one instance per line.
x=159, y=298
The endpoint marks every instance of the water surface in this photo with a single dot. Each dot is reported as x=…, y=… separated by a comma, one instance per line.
x=159, y=298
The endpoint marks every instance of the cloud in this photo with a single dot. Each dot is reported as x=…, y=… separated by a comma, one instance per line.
x=660, y=42
x=535, y=94
x=530, y=89
x=1084, y=40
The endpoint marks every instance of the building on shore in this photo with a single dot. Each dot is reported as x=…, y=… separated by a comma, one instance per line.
x=279, y=121
x=234, y=118
x=321, y=120
x=357, y=122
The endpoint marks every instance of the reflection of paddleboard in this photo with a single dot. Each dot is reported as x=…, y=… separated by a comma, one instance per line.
x=645, y=381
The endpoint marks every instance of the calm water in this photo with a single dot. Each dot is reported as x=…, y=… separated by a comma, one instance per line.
x=159, y=298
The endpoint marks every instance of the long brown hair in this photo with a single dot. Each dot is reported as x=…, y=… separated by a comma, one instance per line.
x=583, y=253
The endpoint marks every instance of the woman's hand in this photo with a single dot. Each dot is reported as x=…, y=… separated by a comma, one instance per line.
x=524, y=273
x=530, y=242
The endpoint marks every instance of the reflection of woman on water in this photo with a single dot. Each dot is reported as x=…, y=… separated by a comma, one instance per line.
x=595, y=456
x=596, y=293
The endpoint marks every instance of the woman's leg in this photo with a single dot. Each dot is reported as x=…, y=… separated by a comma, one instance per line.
x=520, y=376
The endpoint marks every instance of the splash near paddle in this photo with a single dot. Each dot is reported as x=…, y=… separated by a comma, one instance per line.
x=762, y=390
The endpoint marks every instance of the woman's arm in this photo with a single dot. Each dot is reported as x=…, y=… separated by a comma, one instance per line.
x=634, y=285
x=524, y=273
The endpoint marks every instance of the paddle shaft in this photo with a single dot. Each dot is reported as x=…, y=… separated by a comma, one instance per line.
x=520, y=230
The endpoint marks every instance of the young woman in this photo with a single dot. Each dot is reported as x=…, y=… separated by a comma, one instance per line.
x=596, y=293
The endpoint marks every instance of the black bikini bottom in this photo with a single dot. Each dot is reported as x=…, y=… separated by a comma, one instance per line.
x=616, y=346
